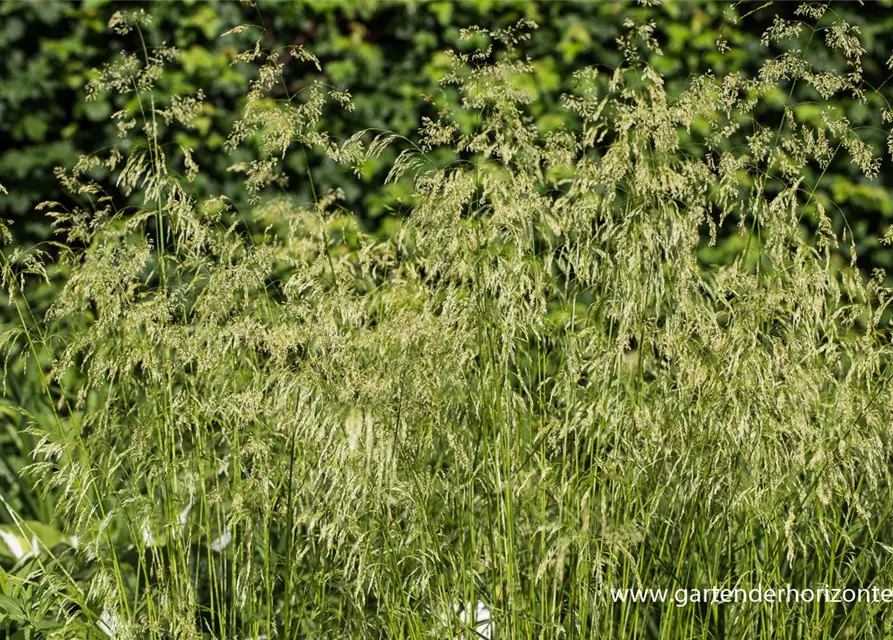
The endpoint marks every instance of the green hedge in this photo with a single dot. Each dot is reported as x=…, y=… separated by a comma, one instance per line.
x=389, y=54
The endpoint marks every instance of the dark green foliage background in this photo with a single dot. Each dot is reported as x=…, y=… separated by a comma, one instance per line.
x=388, y=55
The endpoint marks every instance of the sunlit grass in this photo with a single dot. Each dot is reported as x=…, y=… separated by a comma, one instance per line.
x=270, y=423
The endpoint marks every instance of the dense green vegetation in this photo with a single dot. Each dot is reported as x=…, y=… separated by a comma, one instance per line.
x=376, y=319
x=388, y=55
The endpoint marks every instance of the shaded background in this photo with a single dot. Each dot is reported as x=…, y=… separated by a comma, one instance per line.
x=388, y=55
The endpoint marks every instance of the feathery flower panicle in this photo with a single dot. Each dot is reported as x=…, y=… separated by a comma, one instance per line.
x=272, y=422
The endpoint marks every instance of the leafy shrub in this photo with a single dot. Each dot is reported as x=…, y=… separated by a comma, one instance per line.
x=271, y=421
x=387, y=53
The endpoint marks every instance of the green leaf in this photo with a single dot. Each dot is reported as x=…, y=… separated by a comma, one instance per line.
x=15, y=545
x=12, y=608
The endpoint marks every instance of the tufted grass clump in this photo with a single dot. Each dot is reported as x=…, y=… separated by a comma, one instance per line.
x=271, y=421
